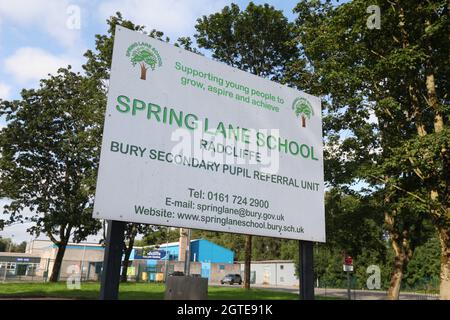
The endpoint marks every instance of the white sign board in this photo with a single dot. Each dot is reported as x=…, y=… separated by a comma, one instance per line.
x=190, y=142
x=347, y=268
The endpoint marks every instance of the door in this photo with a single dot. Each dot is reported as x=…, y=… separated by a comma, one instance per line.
x=206, y=269
x=266, y=275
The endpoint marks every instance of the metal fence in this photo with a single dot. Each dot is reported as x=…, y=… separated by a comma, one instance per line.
x=334, y=289
x=78, y=270
x=13, y=271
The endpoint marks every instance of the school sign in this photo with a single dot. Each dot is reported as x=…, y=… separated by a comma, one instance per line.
x=190, y=142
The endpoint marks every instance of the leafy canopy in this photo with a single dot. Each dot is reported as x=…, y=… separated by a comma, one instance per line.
x=303, y=108
x=145, y=56
x=259, y=39
x=50, y=150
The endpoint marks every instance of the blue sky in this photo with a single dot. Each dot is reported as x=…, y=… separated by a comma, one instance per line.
x=39, y=36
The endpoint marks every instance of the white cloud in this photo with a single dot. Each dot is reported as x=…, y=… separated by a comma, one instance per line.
x=52, y=16
x=29, y=64
x=174, y=17
x=4, y=91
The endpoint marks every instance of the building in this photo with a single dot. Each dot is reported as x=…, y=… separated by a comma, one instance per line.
x=208, y=260
x=16, y=264
x=272, y=273
x=202, y=250
x=84, y=258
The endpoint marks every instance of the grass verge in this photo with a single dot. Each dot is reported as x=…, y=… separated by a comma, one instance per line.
x=133, y=291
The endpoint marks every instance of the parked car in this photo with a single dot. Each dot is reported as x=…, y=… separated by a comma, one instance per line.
x=231, y=279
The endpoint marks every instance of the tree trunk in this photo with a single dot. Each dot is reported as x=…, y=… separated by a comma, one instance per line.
x=248, y=259
x=444, y=238
x=402, y=250
x=396, y=278
x=443, y=231
x=303, y=122
x=433, y=102
x=143, y=72
x=131, y=236
x=58, y=261
x=126, y=260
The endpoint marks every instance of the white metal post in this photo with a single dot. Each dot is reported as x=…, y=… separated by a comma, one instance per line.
x=188, y=254
x=82, y=263
x=166, y=264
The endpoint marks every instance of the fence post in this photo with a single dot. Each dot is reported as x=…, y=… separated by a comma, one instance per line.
x=6, y=270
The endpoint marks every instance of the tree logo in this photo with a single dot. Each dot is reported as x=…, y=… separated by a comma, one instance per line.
x=145, y=56
x=303, y=109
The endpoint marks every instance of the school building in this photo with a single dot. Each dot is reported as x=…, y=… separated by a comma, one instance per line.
x=272, y=273
x=208, y=260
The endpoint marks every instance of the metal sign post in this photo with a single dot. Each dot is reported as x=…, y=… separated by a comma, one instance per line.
x=348, y=267
x=349, y=293
x=306, y=270
x=112, y=260
x=187, y=259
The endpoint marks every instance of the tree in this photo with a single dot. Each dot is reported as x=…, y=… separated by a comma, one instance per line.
x=144, y=57
x=259, y=40
x=131, y=231
x=303, y=108
x=398, y=74
x=407, y=230
x=353, y=226
x=4, y=244
x=159, y=236
x=50, y=150
x=98, y=64
x=21, y=247
x=423, y=270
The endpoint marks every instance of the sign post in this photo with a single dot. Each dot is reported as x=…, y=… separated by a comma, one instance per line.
x=306, y=263
x=348, y=268
x=192, y=143
x=109, y=287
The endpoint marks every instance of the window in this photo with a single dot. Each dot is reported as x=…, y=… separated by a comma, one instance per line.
x=221, y=267
x=281, y=267
x=281, y=279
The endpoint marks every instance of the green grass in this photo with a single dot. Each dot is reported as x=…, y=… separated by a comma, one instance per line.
x=134, y=291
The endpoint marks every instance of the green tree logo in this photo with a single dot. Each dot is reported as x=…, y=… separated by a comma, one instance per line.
x=303, y=109
x=144, y=55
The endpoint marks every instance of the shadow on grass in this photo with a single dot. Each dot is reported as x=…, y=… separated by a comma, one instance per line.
x=215, y=293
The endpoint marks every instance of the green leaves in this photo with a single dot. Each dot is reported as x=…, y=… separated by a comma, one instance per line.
x=399, y=74
x=50, y=150
x=258, y=39
x=145, y=56
x=304, y=109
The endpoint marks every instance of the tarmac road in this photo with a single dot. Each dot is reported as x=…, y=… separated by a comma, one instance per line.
x=356, y=294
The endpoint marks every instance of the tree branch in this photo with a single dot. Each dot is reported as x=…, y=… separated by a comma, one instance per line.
x=399, y=188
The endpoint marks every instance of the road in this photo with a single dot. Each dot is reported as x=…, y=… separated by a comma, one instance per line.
x=356, y=294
